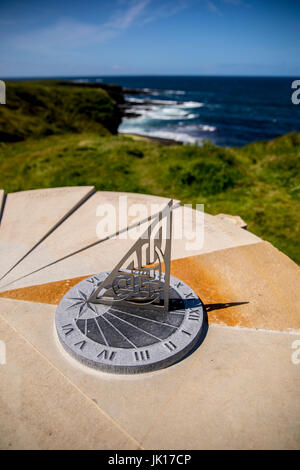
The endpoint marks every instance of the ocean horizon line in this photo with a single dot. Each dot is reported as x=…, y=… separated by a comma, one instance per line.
x=41, y=77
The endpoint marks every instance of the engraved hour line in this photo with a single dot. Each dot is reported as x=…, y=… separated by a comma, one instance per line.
x=100, y=329
x=141, y=355
x=125, y=337
x=186, y=332
x=130, y=324
x=144, y=318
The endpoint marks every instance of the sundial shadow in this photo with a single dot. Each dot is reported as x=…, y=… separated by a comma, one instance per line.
x=219, y=306
x=178, y=304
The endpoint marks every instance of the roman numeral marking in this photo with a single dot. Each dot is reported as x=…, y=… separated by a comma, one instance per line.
x=186, y=332
x=170, y=346
x=67, y=329
x=142, y=355
x=194, y=315
x=80, y=344
x=189, y=295
x=107, y=355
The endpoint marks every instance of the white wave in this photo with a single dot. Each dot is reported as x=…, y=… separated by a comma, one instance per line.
x=162, y=102
x=135, y=100
x=174, y=92
x=174, y=111
x=177, y=136
x=191, y=104
x=197, y=127
x=206, y=127
x=143, y=100
x=162, y=113
x=163, y=92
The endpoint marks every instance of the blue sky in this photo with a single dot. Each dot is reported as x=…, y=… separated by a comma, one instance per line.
x=149, y=37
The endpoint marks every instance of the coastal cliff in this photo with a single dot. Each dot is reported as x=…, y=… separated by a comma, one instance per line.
x=42, y=108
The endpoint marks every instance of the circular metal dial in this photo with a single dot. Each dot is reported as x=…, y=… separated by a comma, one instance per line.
x=123, y=340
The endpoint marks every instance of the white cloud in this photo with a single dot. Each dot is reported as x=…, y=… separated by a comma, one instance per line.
x=123, y=20
x=68, y=33
x=165, y=10
x=213, y=7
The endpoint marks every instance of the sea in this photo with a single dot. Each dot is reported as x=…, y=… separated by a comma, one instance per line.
x=229, y=111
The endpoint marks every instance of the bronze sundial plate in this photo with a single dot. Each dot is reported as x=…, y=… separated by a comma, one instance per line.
x=126, y=340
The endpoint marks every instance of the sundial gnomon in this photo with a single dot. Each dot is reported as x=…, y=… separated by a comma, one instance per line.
x=136, y=317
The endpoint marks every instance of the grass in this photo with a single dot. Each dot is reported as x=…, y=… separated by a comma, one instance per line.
x=260, y=182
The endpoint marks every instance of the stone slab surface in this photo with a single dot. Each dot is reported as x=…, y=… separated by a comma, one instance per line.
x=217, y=234
x=239, y=389
x=241, y=392
x=30, y=215
x=254, y=286
x=41, y=409
x=79, y=230
x=101, y=257
x=234, y=219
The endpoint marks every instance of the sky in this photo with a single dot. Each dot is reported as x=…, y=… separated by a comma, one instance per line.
x=149, y=37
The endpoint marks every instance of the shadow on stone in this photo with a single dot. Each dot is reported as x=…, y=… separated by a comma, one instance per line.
x=211, y=307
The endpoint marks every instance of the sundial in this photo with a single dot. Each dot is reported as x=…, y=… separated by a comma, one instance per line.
x=137, y=317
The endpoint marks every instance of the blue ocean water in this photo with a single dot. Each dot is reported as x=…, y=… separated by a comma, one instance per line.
x=230, y=111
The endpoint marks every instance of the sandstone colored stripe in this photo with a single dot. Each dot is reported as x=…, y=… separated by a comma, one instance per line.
x=49, y=293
